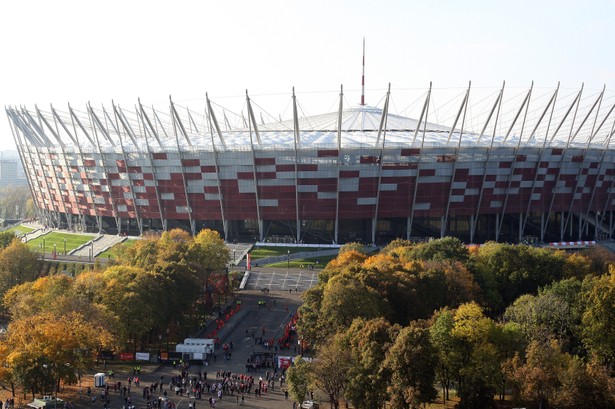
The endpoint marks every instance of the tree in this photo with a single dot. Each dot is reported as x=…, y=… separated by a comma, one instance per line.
x=541, y=316
x=508, y=340
x=368, y=342
x=209, y=251
x=585, y=386
x=173, y=247
x=45, y=350
x=330, y=370
x=310, y=324
x=60, y=295
x=143, y=253
x=6, y=238
x=134, y=296
x=349, y=261
x=444, y=284
x=516, y=270
x=447, y=248
x=345, y=299
x=354, y=246
x=18, y=264
x=298, y=377
x=447, y=350
x=411, y=361
x=599, y=315
x=16, y=202
x=537, y=380
x=396, y=245
x=479, y=367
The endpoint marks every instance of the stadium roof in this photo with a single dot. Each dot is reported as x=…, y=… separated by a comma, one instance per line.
x=580, y=123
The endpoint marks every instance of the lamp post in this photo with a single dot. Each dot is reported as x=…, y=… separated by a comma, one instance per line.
x=234, y=259
x=287, y=260
x=159, y=347
x=54, y=250
x=64, y=246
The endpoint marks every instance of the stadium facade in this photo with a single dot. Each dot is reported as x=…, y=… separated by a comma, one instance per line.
x=546, y=169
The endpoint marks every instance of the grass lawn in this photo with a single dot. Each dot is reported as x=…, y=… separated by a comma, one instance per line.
x=20, y=230
x=109, y=253
x=272, y=251
x=58, y=239
x=322, y=262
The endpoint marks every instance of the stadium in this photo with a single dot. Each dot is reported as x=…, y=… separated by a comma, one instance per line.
x=498, y=164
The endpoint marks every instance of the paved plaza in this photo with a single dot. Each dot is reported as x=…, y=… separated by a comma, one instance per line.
x=282, y=279
x=282, y=298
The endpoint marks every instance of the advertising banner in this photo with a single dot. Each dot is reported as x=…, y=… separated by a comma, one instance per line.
x=142, y=356
x=126, y=356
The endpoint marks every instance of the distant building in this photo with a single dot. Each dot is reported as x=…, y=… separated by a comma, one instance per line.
x=11, y=171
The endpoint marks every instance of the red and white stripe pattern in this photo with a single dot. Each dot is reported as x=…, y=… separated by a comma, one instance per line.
x=568, y=244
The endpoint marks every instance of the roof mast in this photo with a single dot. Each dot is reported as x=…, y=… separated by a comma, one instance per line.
x=363, y=77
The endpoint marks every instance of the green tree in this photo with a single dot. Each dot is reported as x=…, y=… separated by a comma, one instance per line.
x=447, y=248
x=516, y=270
x=345, y=299
x=480, y=367
x=542, y=316
x=134, y=296
x=310, y=326
x=6, y=238
x=447, y=349
x=299, y=379
x=411, y=361
x=599, y=315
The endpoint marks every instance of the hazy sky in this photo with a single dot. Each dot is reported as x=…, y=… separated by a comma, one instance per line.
x=64, y=51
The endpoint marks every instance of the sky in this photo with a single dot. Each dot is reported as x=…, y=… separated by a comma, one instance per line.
x=63, y=51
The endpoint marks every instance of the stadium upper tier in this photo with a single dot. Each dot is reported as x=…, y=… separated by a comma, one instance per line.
x=548, y=119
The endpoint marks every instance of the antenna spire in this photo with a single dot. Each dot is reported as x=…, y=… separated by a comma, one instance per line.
x=363, y=76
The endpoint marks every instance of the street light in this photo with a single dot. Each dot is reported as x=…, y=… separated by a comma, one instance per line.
x=64, y=246
x=287, y=260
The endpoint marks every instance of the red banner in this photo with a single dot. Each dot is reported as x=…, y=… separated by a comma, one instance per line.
x=127, y=356
x=284, y=362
